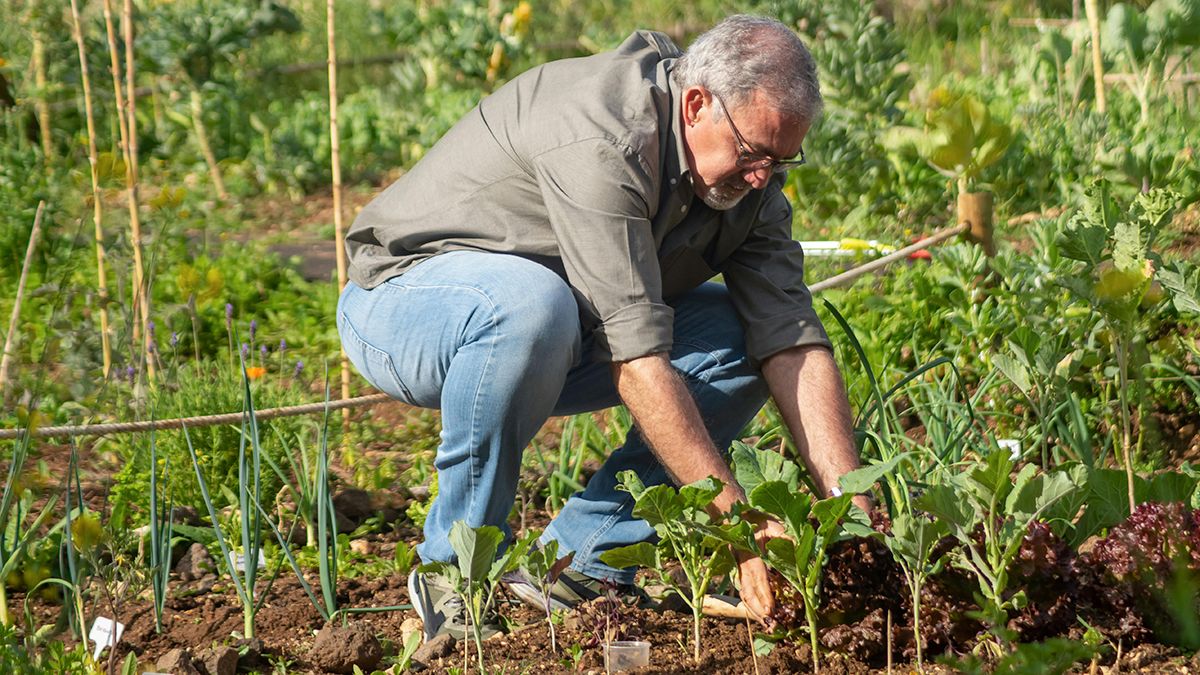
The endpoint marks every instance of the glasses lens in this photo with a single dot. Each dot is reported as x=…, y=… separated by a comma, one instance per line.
x=754, y=163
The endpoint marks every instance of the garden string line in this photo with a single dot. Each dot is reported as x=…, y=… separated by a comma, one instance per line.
x=371, y=399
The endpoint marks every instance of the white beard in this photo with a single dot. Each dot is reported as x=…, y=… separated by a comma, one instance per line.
x=723, y=197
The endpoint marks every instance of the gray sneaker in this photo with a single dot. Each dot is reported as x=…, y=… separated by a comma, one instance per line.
x=442, y=611
x=570, y=590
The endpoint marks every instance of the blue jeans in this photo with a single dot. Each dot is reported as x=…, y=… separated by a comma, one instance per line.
x=494, y=341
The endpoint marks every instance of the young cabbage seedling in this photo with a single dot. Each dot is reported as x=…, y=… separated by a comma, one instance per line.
x=686, y=533
x=545, y=567
x=988, y=498
x=801, y=557
x=477, y=572
x=912, y=543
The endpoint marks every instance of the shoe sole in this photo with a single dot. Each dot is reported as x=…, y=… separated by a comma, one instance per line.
x=530, y=595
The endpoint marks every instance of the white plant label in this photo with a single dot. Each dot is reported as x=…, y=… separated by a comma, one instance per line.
x=105, y=633
x=1012, y=445
x=239, y=560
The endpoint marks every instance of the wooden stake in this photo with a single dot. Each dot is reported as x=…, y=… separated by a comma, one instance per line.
x=6, y=359
x=97, y=205
x=1093, y=17
x=338, y=232
x=141, y=294
x=975, y=209
x=42, y=105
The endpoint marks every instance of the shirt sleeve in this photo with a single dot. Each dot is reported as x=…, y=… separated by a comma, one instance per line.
x=596, y=194
x=765, y=277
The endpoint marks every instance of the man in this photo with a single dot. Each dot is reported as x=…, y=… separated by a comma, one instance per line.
x=549, y=256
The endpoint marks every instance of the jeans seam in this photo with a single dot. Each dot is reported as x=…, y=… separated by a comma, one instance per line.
x=471, y=448
x=363, y=346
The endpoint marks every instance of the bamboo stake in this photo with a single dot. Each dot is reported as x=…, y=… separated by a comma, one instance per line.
x=97, y=206
x=1093, y=17
x=335, y=153
x=6, y=359
x=42, y=105
x=141, y=294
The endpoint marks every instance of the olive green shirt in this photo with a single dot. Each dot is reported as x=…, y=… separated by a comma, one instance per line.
x=579, y=165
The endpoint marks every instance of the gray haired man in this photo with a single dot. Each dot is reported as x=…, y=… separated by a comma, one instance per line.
x=552, y=255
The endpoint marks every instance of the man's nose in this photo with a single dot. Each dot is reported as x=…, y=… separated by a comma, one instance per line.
x=758, y=178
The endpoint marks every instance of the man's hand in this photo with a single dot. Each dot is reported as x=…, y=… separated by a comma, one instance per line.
x=756, y=588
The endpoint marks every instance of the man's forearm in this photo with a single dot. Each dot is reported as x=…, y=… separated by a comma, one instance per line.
x=667, y=417
x=808, y=389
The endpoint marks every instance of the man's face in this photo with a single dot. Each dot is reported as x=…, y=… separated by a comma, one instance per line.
x=712, y=144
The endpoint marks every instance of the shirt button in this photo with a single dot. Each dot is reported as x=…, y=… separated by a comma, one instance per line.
x=673, y=181
x=683, y=209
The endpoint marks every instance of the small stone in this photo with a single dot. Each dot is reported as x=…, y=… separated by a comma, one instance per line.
x=221, y=661
x=411, y=625
x=176, y=662
x=353, y=503
x=340, y=649
x=361, y=546
x=195, y=563
x=439, y=647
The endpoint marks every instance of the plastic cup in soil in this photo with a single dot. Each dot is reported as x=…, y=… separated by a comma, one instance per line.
x=626, y=655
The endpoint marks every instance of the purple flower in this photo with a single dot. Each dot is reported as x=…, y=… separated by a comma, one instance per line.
x=130, y=373
x=150, y=330
x=228, y=316
x=263, y=350
x=282, y=345
x=245, y=350
x=299, y=367
x=253, y=329
x=174, y=340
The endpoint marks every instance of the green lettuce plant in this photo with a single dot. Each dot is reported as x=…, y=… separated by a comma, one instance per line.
x=913, y=541
x=687, y=534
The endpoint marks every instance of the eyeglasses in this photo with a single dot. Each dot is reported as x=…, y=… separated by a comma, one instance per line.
x=756, y=161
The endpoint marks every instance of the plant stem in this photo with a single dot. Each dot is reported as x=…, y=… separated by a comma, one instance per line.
x=1091, y=7
x=810, y=614
x=1122, y=347
x=4, y=617
x=197, y=108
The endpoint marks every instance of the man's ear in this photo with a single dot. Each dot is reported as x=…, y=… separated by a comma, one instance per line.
x=694, y=99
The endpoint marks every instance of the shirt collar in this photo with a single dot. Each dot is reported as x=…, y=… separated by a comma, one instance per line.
x=676, y=155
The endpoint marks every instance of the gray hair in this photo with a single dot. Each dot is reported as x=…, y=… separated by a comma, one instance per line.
x=744, y=54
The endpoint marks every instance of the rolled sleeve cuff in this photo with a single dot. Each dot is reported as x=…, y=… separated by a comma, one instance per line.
x=635, y=331
x=770, y=336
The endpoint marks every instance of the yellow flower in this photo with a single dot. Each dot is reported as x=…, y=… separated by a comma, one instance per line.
x=255, y=372
x=854, y=245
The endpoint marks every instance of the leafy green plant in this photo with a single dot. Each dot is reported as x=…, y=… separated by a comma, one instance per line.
x=16, y=509
x=988, y=511
x=961, y=137
x=1041, y=367
x=811, y=526
x=687, y=533
x=913, y=541
x=545, y=567
x=477, y=572
x=1153, y=44
x=1116, y=246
